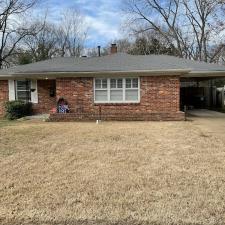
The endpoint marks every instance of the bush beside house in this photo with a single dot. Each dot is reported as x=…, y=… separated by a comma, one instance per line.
x=17, y=109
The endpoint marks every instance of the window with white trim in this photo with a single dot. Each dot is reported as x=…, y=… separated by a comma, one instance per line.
x=23, y=90
x=132, y=89
x=101, y=90
x=116, y=90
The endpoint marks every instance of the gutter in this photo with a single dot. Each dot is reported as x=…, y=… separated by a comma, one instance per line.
x=52, y=75
x=202, y=74
x=183, y=73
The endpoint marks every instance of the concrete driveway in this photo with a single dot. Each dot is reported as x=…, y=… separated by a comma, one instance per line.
x=209, y=121
x=204, y=113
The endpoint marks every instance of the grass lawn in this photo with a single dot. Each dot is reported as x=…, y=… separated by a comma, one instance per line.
x=113, y=173
x=5, y=122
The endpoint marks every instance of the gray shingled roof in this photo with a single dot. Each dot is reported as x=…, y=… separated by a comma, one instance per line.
x=119, y=62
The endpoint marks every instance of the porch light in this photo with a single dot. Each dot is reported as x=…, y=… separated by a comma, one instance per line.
x=32, y=89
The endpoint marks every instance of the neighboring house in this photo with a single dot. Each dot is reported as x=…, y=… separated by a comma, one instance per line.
x=114, y=87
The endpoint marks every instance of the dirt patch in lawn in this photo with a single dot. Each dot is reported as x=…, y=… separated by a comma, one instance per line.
x=112, y=173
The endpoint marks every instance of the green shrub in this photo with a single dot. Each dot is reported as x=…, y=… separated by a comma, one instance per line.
x=17, y=109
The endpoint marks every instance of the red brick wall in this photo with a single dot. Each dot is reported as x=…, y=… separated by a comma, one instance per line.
x=4, y=95
x=155, y=116
x=159, y=96
x=45, y=102
x=159, y=99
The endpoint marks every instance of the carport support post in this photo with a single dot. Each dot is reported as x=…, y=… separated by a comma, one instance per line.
x=185, y=112
x=222, y=97
x=212, y=94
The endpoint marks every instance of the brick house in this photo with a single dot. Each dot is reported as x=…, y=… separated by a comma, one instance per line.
x=114, y=87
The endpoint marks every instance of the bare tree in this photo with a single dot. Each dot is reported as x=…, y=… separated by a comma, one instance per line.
x=11, y=30
x=123, y=44
x=72, y=32
x=93, y=52
x=45, y=44
x=207, y=22
x=65, y=38
x=142, y=44
x=164, y=21
x=217, y=54
x=188, y=25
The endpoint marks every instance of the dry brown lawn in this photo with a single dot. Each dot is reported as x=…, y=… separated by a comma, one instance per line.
x=113, y=173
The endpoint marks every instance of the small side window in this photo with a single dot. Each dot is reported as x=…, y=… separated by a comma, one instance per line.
x=23, y=90
x=101, y=90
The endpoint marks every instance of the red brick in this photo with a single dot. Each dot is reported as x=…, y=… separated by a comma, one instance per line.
x=4, y=95
x=45, y=101
x=160, y=100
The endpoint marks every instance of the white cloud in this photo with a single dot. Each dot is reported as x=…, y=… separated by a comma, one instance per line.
x=101, y=29
x=102, y=17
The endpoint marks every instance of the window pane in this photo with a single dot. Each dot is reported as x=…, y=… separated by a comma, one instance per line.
x=104, y=83
x=23, y=90
x=131, y=95
x=113, y=83
x=120, y=83
x=23, y=85
x=116, y=95
x=101, y=96
x=128, y=83
x=23, y=95
x=135, y=83
x=97, y=83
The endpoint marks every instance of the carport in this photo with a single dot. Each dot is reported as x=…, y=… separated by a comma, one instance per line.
x=202, y=90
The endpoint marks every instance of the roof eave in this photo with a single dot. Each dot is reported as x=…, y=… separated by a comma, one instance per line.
x=202, y=74
x=43, y=75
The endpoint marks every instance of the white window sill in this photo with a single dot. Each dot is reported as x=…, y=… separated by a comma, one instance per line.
x=123, y=102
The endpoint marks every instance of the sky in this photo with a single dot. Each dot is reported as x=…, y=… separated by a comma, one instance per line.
x=103, y=17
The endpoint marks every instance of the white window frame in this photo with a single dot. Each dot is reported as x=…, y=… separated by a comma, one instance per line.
x=102, y=89
x=108, y=89
x=16, y=90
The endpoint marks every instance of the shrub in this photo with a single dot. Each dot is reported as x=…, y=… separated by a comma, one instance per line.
x=17, y=109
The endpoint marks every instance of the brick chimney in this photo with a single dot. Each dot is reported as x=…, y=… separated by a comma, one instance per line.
x=113, y=49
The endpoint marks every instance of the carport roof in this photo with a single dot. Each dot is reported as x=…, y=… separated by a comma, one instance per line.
x=115, y=63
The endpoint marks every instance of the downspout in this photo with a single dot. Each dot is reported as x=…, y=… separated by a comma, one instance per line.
x=211, y=93
x=223, y=97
